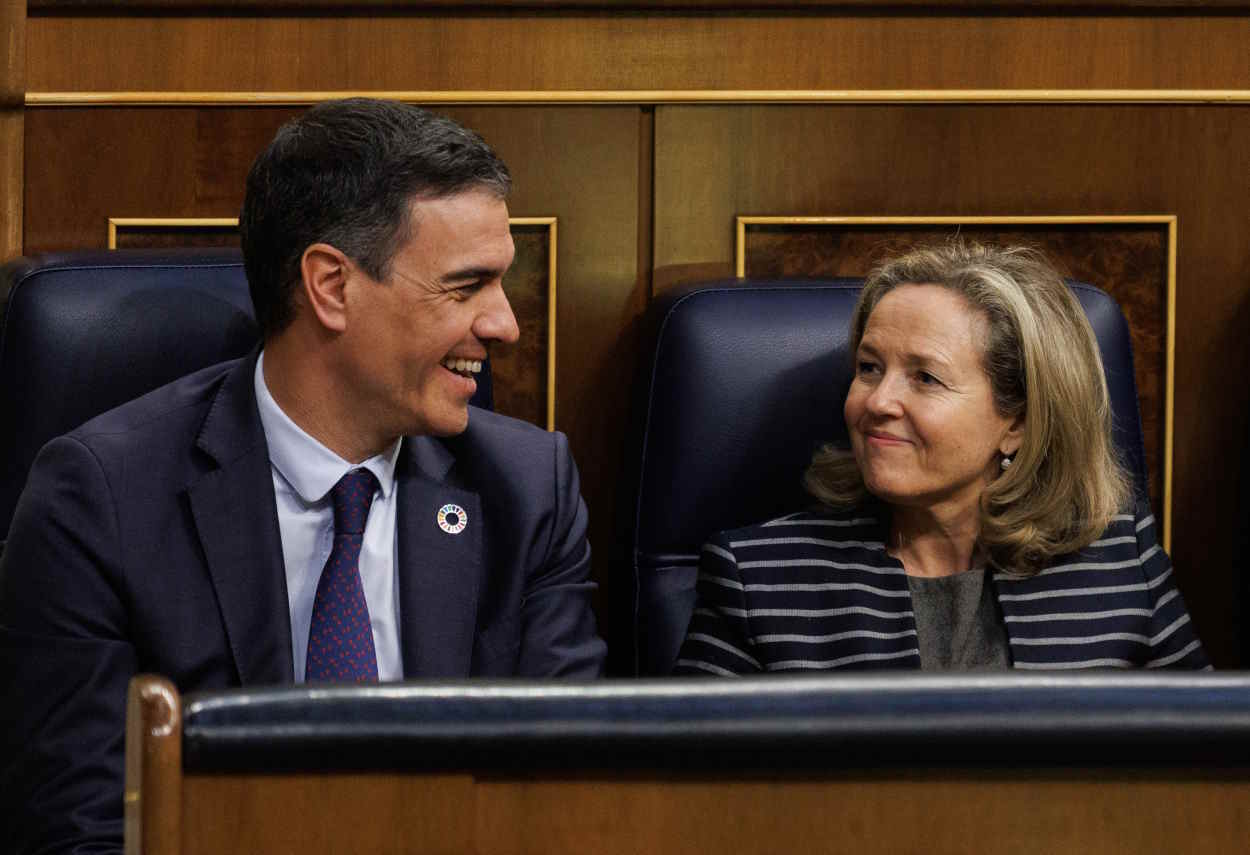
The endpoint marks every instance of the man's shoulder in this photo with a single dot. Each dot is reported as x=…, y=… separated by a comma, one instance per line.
x=159, y=416
x=511, y=439
x=489, y=426
x=496, y=449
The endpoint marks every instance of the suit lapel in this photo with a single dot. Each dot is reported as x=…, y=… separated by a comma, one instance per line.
x=440, y=573
x=236, y=520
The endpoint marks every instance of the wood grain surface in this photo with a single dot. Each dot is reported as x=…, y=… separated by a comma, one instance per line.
x=375, y=6
x=12, y=100
x=1080, y=811
x=522, y=50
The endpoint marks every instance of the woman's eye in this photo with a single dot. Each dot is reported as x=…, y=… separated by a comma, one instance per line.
x=864, y=367
x=924, y=378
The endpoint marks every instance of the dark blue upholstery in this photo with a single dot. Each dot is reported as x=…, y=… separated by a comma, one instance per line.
x=742, y=380
x=85, y=331
x=816, y=722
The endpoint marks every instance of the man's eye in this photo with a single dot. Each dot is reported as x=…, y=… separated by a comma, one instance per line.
x=924, y=378
x=865, y=367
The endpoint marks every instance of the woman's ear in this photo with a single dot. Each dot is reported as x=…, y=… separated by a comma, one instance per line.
x=323, y=280
x=1013, y=438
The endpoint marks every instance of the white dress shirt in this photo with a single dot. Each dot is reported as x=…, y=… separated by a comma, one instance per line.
x=304, y=471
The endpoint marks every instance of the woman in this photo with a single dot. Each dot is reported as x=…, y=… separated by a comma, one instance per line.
x=980, y=518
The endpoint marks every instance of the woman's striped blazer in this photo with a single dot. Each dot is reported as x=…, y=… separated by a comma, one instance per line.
x=816, y=590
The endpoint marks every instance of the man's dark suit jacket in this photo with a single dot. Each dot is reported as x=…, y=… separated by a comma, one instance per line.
x=147, y=541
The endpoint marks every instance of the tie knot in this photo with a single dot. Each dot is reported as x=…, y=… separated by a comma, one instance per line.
x=352, y=496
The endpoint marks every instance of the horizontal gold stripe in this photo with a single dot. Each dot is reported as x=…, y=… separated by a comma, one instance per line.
x=1061, y=219
x=654, y=96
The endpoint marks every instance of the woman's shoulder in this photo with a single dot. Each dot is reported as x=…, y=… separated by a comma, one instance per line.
x=815, y=524
x=1129, y=539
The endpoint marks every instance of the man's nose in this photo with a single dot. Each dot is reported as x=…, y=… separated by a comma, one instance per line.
x=496, y=322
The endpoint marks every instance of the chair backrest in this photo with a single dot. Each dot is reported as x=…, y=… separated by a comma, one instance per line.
x=743, y=380
x=83, y=332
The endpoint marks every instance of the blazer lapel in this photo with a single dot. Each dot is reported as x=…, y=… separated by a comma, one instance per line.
x=236, y=520
x=440, y=573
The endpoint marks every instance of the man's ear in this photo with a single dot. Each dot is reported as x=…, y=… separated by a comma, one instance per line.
x=323, y=278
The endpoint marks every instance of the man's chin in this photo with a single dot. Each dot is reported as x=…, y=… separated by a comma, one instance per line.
x=450, y=423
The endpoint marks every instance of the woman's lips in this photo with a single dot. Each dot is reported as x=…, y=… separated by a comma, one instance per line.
x=884, y=439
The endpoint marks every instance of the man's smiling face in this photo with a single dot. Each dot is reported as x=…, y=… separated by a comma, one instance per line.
x=420, y=335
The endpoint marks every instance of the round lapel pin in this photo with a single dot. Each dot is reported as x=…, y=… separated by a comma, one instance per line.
x=452, y=519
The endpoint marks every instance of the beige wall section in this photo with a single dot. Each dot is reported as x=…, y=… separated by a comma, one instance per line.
x=912, y=160
x=640, y=51
x=12, y=97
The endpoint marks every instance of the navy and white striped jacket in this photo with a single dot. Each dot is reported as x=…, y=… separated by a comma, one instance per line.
x=816, y=590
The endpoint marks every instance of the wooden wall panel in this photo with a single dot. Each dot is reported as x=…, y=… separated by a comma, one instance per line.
x=96, y=163
x=1031, y=812
x=720, y=162
x=638, y=51
x=12, y=100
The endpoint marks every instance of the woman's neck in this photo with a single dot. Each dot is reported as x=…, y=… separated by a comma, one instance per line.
x=931, y=542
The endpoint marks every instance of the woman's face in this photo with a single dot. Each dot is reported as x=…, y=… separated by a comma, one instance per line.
x=920, y=410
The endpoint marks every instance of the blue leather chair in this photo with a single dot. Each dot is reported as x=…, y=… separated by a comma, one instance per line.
x=85, y=331
x=741, y=382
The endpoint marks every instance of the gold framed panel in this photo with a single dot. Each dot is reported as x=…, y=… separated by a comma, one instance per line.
x=157, y=232
x=529, y=370
x=805, y=259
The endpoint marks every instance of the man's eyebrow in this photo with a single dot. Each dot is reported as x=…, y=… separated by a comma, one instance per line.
x=469, y=274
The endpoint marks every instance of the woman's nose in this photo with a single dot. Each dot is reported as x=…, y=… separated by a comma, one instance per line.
x=884, y=398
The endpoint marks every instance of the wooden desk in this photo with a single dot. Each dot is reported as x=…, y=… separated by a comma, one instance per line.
x=764, y=797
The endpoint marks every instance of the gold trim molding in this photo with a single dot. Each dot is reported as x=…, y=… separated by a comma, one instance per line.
x=1168, y=220
x=651, y=97
x=114, y=223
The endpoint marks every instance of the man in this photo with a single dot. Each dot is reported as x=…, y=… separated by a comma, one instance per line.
x=328, y=509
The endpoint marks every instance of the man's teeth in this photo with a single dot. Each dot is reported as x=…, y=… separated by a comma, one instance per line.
x=463, y=366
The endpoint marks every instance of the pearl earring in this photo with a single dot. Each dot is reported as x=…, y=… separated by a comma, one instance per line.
x=1005, y=463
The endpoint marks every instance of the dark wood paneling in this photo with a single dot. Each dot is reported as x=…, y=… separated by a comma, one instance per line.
x=578, y=164
x=1027, y=813
x=520, y=370
x=378, y=6
x=532, y=51
x=12, y=96
x=431, y=814
x=1007, y=160
x=1129, y=261
x=171, y=237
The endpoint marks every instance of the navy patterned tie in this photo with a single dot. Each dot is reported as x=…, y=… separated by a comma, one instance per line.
x=340, y=638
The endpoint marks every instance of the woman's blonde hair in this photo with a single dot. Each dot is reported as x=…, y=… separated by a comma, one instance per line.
x=1065, y=482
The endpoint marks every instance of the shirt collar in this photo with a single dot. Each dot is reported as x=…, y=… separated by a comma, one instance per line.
x=309, y=467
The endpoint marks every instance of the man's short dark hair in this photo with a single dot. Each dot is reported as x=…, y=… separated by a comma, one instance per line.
x=345, y=173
